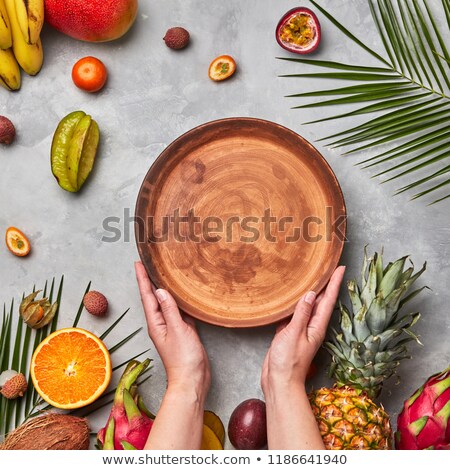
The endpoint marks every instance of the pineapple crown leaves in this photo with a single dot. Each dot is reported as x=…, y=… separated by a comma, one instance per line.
x=372, y=336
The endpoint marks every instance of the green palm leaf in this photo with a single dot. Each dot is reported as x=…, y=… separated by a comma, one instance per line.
x=411, y=89
x=17, y=344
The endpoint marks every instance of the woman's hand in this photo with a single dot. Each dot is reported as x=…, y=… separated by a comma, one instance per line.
x=290, y=421
x=174, y=336
x=179, y=422
x=297, y=341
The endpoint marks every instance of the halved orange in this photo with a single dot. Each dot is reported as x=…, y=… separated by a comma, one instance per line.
x=71, y=368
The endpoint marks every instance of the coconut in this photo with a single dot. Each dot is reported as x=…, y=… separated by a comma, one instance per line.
x=49, y=432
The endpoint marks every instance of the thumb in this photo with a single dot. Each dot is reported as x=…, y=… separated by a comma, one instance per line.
x=169, y=307
x=303, y=312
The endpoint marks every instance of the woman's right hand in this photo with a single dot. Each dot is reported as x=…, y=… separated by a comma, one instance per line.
x=297, y=341
x=290, y=420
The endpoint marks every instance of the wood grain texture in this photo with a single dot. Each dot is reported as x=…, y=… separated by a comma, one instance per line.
x=226, y=171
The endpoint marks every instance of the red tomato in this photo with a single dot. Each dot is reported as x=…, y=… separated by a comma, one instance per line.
x=89, y=74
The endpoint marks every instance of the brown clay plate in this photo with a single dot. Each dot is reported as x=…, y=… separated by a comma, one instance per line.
x=238, y=218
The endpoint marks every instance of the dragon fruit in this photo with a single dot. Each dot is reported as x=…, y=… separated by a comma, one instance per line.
x=424, y=421
x=129, y=422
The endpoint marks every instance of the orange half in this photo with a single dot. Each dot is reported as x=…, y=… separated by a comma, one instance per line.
x=71, y=368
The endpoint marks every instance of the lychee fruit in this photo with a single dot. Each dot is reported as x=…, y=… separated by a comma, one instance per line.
x=177, y=38
x=95, y=303
x=15, y=386
x=7, y=131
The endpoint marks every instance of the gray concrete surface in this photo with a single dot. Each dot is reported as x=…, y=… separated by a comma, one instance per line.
x=154, y=95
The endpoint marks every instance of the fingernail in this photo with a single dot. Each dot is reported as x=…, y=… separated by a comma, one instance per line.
x=161, y=295
x=310, y=297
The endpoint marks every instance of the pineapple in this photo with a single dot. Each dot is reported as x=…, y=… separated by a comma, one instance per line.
x=366, y=349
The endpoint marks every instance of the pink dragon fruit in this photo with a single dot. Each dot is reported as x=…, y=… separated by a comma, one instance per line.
x=424, y=421
x=129, y=422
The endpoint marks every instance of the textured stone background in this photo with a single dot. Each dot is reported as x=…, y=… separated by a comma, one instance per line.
x=154, y=95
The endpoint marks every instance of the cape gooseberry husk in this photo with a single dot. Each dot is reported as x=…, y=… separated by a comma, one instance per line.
x=37, y=313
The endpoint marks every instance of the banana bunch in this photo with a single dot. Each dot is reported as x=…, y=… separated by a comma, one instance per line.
x=21, y=23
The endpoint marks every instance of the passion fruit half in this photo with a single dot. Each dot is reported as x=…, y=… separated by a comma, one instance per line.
x=298, y=31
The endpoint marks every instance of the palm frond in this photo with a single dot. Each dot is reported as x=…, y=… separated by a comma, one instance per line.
x=17, y=344
x=410, y=91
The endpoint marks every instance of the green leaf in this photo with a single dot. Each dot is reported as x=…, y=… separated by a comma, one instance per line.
x=434, y=188
x=80, y=308
x=428, y=178
x=430, y=42
x=424, y=119
x=411, y=89
x=54, y=323
x=446, y=5
x=124, y=341
x=392, y=117
x=339, y=66
x=416, y=158
x=425, y=141
x=349, y=34
x=388, y=25
x=438, y=158
x=438, y=35
x=391, y=137
x=360, y=97
x=350, y=90
x=440, y=199
x=412, y=145
x=358, y=76
x=382, y=34
x=419, y=40
x=108, y=331
x=388, y=104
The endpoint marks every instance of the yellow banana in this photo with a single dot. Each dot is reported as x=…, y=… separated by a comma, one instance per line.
x=5, y=28
x=30, y=16
x=9, y=70
x=29, y=56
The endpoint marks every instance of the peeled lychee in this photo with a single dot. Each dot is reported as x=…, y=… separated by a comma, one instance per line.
x=95, y=303
x=7, y=131
x=15, y=386
x=177, y=38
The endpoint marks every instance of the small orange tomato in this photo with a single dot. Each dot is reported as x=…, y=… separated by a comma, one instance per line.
x=17, y=242
x=89, y=74
x=222, y=67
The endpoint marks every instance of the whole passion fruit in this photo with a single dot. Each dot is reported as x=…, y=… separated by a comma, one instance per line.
x=247, y=428
x=299, y=31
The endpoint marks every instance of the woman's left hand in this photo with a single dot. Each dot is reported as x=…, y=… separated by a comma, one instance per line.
x=174, y=336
